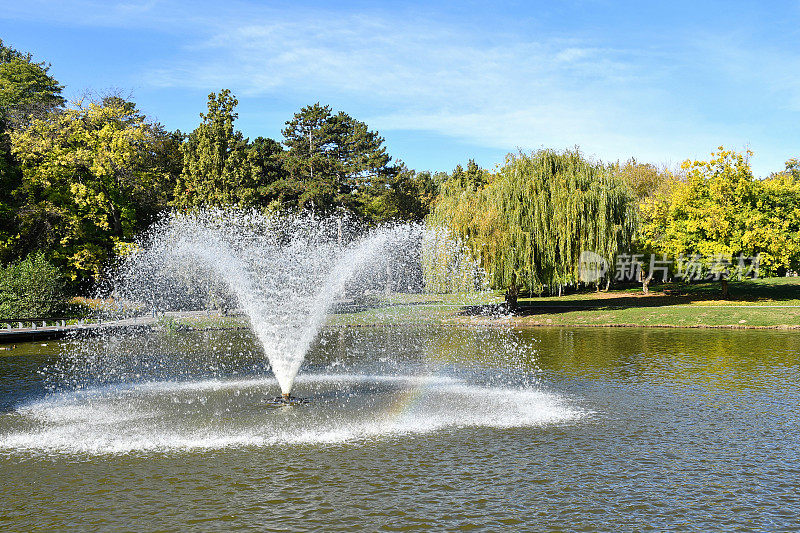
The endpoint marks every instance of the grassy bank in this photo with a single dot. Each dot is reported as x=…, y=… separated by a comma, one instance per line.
x=764, y=303
x=773, y=302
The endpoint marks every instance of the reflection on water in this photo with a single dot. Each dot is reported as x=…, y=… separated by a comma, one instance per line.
x=732, y=360
x=432, y=428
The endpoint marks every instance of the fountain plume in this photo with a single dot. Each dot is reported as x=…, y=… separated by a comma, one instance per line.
x=284, y=272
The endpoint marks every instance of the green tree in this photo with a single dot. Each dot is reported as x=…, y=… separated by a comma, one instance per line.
x=649, y=185
x=473, y=177
x=792, y=170
x=31, y=288
x=162, y=158
x=404, y=195
x=220, y=167
x=529, y=223
x=26, y=89
x=265, y=159
x=336, y=161
x=644, y=179
x=465, y=221
x=309, y=138
x=85, y=173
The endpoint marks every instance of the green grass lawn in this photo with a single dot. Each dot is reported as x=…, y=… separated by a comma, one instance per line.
x=773, y=302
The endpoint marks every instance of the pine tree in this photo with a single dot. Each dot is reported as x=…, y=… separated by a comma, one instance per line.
x=336, y=161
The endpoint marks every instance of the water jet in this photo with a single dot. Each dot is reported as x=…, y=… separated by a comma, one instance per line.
x=284, y=273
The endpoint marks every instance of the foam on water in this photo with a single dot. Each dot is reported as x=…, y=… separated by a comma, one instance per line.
x=213, y=414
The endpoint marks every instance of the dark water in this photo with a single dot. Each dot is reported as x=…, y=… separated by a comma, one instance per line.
x=425, y=429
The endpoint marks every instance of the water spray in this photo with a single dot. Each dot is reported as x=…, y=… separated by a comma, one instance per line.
x=284, y=273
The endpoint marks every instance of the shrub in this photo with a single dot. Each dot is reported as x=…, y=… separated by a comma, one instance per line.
x=31, y=288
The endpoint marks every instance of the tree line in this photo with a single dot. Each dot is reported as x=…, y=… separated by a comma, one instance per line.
x=79, y=181
x=528, y=222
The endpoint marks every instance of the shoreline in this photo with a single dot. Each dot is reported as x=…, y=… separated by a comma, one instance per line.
x=31, y=336
x=516, y=324
x=762, y=304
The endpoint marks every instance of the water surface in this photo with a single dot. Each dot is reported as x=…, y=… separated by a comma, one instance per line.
x=408, y=429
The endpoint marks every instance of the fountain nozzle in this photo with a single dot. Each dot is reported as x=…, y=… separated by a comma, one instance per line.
x=285, y=400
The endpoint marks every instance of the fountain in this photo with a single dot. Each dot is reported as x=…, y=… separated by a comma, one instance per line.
x=284, y=273
x=284, y=279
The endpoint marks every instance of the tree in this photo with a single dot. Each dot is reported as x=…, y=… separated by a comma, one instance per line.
x=719, y=212
x=649, y=186
x=26, y=89
x=793, y=168
x=220, y=167
x=336, y=161
x=31, y=288
x=773, y=225
x=86, y=172
x=405, y=195
x=465, y=222
x=529, y=223
x=309, y=138
x=265, y=157
x=473, y=177
x=162, y=157
x=644, y=179
x=704, y=213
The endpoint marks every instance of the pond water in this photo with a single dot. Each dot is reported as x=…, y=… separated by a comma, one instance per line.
x=408, y=429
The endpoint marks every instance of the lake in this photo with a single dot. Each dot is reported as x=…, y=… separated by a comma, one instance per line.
x=428, y=428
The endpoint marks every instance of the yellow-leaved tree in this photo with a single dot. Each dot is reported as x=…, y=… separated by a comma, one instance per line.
x=719, y=211
x=89, y=180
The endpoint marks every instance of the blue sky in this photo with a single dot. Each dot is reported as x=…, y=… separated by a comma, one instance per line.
x=447, y=81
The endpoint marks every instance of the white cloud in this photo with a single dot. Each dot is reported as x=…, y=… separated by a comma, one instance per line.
x=519, y=92
x=665, y=100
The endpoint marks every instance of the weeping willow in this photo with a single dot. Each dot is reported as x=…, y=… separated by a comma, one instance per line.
x=528, y=225
x=447, y=266
x=450, y=264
